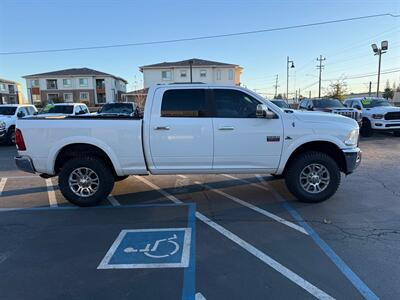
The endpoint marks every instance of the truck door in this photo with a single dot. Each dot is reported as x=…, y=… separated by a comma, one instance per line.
x=181, y=135
x=241, y=140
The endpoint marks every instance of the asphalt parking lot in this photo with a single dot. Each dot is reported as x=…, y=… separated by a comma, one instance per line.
x=218, y=237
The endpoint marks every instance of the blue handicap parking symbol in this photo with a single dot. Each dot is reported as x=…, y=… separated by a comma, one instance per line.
x=149, y=248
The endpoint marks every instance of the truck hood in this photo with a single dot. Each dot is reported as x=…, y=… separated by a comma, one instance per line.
x=322, y=117
x=382, y=109
x=5, y=118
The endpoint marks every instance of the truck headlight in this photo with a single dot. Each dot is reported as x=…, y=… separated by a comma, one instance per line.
x=2, y=125
x=377, y=116
x=352, y=138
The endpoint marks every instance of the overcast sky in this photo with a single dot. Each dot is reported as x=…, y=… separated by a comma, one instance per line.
x=47, y=24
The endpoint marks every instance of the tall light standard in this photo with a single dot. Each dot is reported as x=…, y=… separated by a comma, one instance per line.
x=379, y=51
x=287, y=76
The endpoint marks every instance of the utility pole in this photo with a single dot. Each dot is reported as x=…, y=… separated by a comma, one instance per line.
x=309, y=94
x=320, y=67
x=276, y=85
x=191, y=70
x=369, y=90
x=287, y=76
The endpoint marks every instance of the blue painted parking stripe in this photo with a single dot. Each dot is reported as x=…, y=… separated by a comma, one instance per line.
x=345, y=269
x=189, y=274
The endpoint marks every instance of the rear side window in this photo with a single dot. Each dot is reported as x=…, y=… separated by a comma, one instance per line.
x=303, y=104
x=189, y=103
x=234, y=104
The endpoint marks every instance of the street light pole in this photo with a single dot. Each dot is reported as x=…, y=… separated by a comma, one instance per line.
x=379, y=51
x=287, y=76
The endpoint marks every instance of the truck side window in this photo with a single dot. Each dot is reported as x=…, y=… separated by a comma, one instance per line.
x=189, y=103
x=234, y=104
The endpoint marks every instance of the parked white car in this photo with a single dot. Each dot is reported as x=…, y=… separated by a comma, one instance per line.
x=191, y=129
x=377, y=114
x=9, y=113
x=64, y=109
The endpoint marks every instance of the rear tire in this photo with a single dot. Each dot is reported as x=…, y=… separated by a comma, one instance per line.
x=366, y=128
x=95, y=184
x=310, y=188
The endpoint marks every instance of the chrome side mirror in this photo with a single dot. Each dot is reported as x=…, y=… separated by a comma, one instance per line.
x=263, y=112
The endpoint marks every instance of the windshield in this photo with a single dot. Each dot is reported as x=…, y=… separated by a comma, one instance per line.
x=325, y=103
x=117, y=108
x=7, y=110
x=57, y=109
x=369, y=103
x=281, y=104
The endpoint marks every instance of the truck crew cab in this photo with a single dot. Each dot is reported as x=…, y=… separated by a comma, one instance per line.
x=192, y=129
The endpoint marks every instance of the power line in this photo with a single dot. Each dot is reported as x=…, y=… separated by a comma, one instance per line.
x=201, y=37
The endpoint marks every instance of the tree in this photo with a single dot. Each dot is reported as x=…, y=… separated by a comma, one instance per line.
x=338, y=90
x=388, y=93
x=279, y=96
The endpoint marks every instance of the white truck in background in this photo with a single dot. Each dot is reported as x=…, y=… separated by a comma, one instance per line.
x=9, y=113
x=377, y=114
x=191, y=129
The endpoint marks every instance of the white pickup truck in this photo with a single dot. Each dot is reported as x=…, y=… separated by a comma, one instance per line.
x=191, y=129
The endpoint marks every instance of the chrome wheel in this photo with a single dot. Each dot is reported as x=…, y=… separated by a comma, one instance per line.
x=12, y=137
x=314, y=178
x=84, y=182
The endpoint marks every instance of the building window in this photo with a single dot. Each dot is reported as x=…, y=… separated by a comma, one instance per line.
x=11, y=89
x=2, y=87
x=35, y=82
x=203, y=73
x=230, y=75
x=219, y=75
x=68, y=97
x=51, y=84
x=67, y=83
x=52, y=97
x=166, y=75
x=36, y=98
x=183, y=74
x=83, y=82
x=84, y=96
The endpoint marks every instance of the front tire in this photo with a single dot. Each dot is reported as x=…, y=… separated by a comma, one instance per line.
x=85, y=181
x=366, y=128
x=313, y=177
x=11, y=136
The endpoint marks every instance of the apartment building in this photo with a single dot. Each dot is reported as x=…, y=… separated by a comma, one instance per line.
x=75, y=85
x=11, y=92
x=191, y=70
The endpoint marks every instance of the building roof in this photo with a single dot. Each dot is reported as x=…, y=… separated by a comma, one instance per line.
x=75, y=72
x=7, y=81
x=137, y=92
x=186, y=63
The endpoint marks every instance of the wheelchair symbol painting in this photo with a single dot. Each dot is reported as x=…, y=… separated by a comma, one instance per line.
x=151, y=251
x=149, y=248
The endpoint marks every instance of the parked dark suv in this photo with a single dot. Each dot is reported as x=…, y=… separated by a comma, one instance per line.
x=329, y=105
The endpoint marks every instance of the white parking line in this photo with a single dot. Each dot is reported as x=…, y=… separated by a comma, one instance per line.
x=255, y=208
x=248, y=182
x=51, y=193
x=113, y=201
x=199, y=296
x=313, y=290
x=2, y=184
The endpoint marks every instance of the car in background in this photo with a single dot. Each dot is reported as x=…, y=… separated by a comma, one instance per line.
x=280, y=103
x=377, y=114
x=9, y=113
x=329, y=105
x=119, y=109
x=64, y=109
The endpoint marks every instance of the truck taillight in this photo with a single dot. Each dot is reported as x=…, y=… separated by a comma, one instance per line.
x=19, y=140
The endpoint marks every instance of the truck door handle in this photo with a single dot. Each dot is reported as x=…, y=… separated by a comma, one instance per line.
x=226, y=128
x=161, y=128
